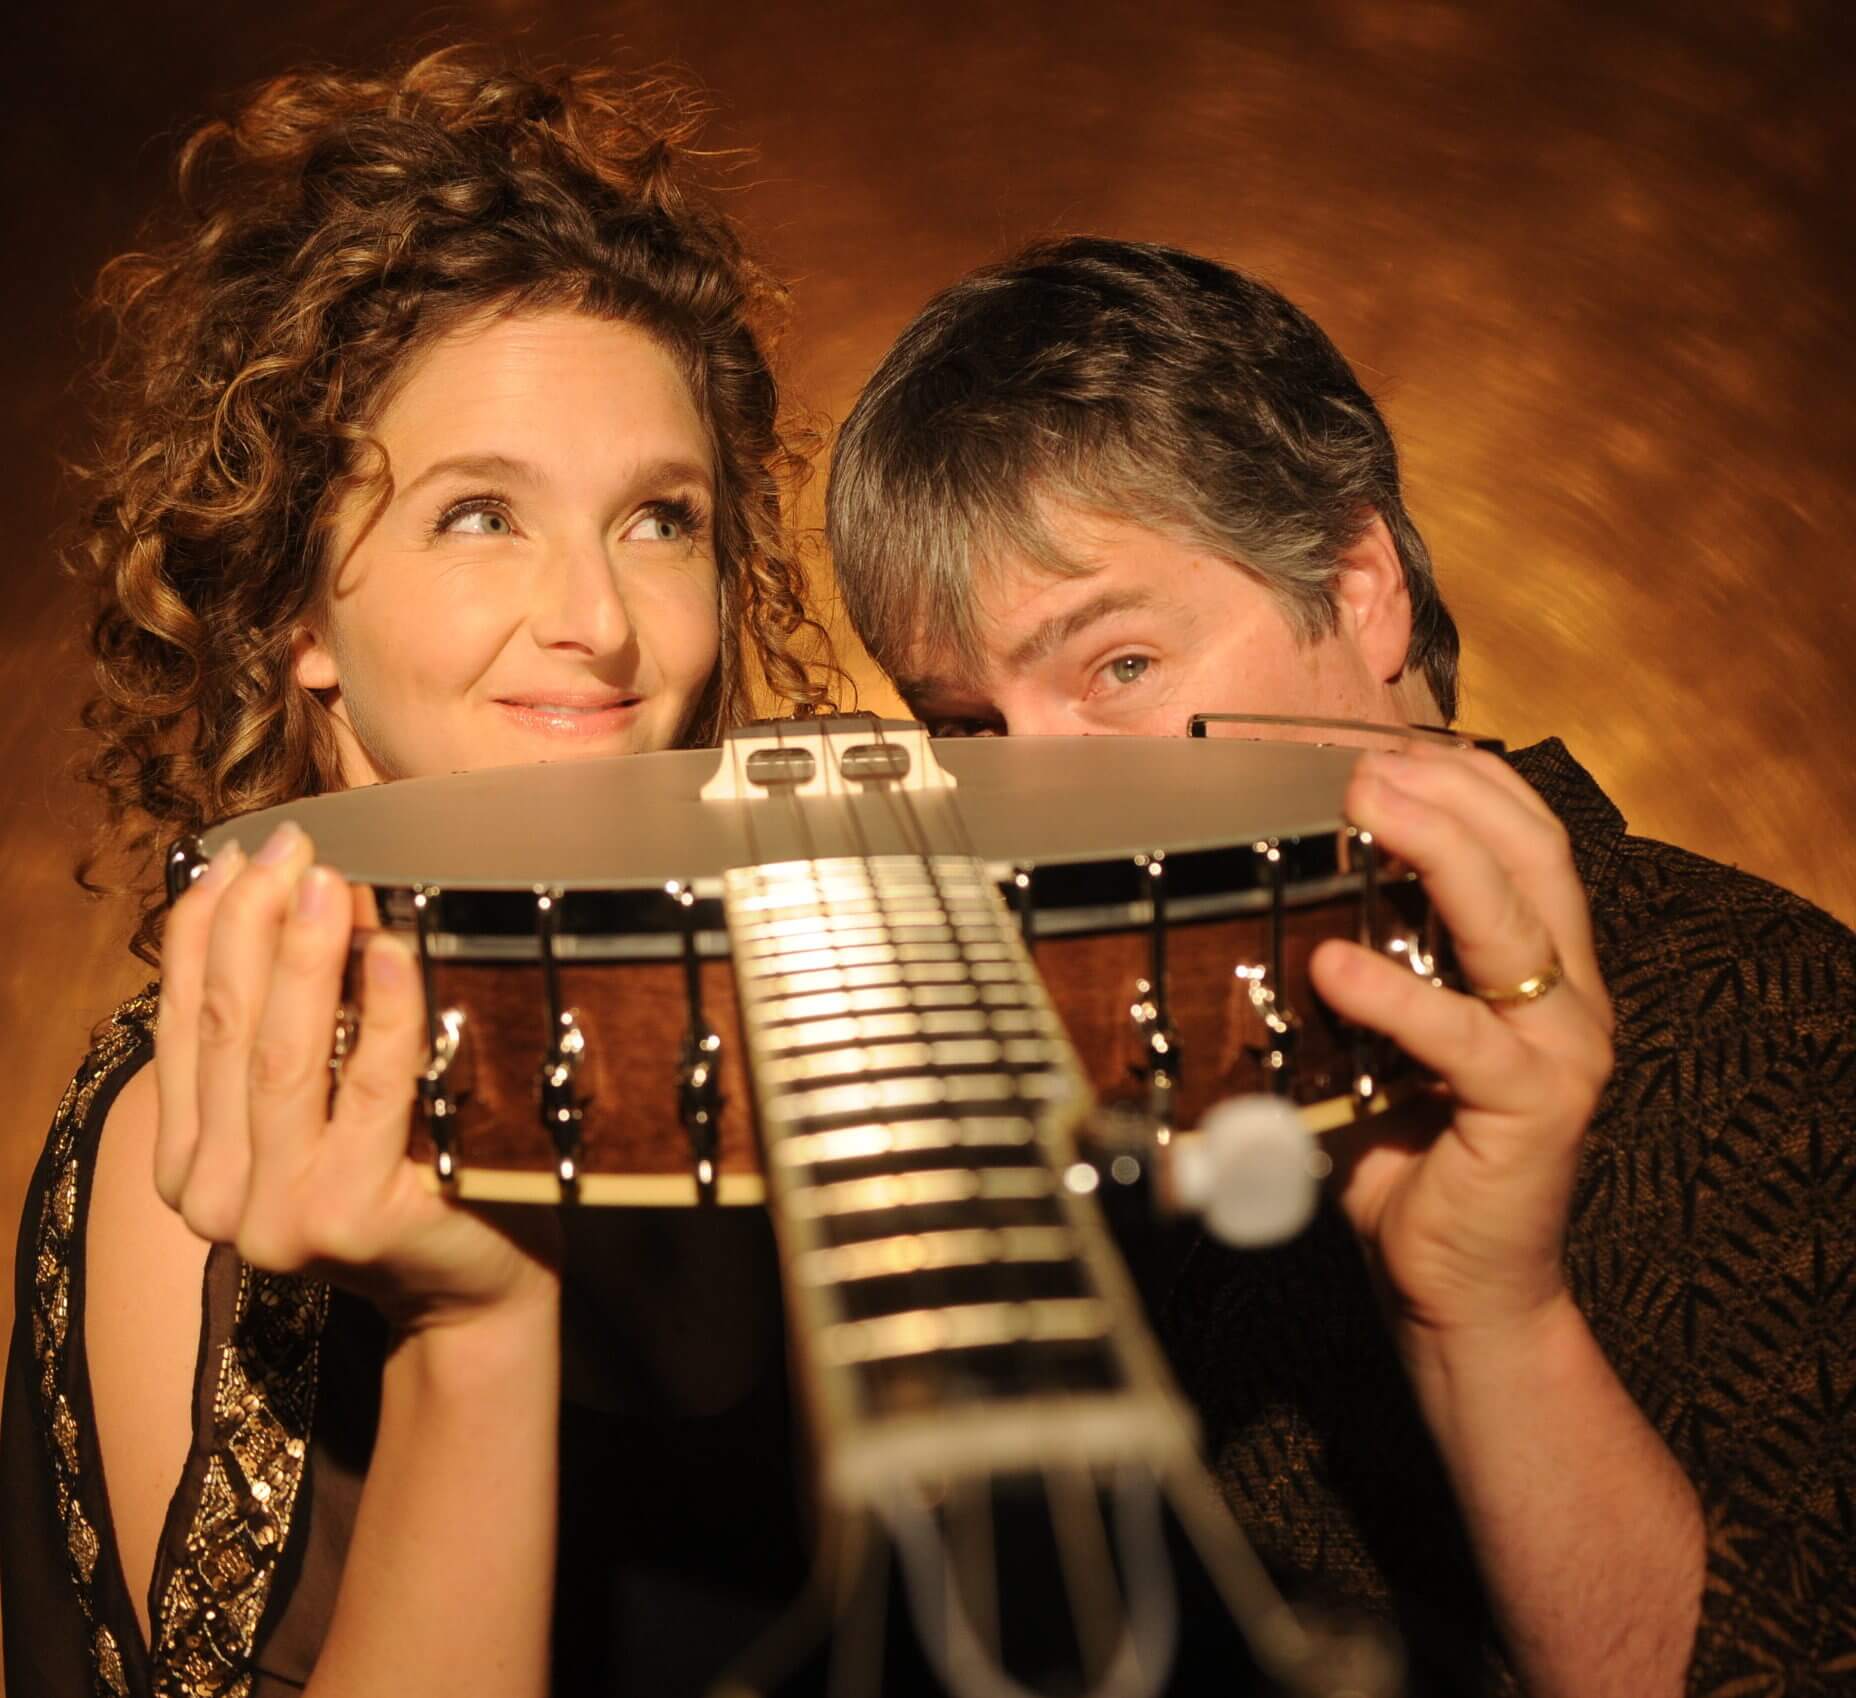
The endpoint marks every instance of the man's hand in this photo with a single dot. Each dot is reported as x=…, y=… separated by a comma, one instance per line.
x=1588, y=1534
x=1465, y=1225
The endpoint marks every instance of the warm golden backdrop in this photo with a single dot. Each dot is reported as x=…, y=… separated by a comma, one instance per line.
x=1599, y=270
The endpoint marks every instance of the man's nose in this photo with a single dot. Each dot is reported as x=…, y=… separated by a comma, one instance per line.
x=1033, y=714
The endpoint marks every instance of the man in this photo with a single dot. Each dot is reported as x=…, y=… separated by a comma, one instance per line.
x=1590, y=1384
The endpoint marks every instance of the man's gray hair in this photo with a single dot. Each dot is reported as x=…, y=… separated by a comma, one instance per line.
x=1135, y=381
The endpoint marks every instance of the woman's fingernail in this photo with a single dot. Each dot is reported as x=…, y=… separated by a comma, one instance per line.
x=388, y=967
x=279, y=845
x=222, y=868
x=312, y=893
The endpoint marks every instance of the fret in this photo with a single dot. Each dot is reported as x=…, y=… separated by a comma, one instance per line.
x=786, y=929
x=921, y=1190
x=771, y=933
x=907, y=1137
x=773, y=918
x=881, y=975
x=780, y=1011
x=879, y=953
x=921, y=1252
x=830, y=885
x=845, y=1031
x=836, y=1063
x=831, y=1032
x=898, y=1095
x=873, y=935
x=908, y=1055
x=971, y=1326
x=864, y=931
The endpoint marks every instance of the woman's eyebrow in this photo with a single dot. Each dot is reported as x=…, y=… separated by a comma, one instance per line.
x=672, y=471
x=502, y=468
x=498, y=466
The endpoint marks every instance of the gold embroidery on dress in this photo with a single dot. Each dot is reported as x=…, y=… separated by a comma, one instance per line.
x=263, y=1400
x=264, y=1396
x=51, y=1316
x=109, y=1663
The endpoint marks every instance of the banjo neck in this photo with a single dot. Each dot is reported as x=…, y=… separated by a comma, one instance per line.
x=619, y=957
x=961, y=1311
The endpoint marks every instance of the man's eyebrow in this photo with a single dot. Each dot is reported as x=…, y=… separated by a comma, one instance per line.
x=1054, y=632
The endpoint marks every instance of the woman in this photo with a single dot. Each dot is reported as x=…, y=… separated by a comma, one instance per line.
x=440, y=436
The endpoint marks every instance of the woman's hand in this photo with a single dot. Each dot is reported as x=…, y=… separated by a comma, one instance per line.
x=1465, y=1224
x=250, y=1150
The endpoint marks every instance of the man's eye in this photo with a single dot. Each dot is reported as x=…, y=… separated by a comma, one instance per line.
x=1127, y=668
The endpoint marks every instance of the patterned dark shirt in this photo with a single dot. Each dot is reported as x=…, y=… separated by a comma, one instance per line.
x=1712, y=1248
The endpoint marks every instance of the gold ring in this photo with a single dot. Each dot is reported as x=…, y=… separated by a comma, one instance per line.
x=1530, y=989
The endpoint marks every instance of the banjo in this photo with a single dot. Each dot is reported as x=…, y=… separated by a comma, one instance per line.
x=928, y=1001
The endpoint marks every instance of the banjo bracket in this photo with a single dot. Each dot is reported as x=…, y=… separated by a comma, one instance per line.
x=699, y=1084
x=561, y=1099
x=443, y=1086
x=1159, y=1059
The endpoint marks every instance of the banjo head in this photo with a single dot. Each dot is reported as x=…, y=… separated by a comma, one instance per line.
x=595, y=890
x=638, y=821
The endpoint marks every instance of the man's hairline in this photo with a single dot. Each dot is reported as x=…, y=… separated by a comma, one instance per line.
x=1057, y=564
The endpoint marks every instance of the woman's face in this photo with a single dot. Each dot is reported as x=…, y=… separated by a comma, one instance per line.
x=541, y=583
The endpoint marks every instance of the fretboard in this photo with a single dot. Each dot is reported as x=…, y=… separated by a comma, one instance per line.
x=960, y=1310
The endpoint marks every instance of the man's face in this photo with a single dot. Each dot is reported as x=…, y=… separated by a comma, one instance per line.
x=1153, y=630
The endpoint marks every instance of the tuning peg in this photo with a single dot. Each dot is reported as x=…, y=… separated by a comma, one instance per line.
x=1253, y=1173
x=186, y=859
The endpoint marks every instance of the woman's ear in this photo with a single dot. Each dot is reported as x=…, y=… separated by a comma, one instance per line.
x=1373, y=602
x=312, y=660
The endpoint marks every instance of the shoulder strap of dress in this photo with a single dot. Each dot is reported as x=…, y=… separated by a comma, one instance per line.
x=61, y=1380
x=253, y=1408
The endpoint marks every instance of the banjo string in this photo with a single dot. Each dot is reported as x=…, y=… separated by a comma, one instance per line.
x=1146, y=1619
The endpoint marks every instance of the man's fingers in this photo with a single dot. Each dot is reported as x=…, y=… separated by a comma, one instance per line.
x=1479, y=1054
x=1496, y=806
x=177, y=1022
x=239, y=958
x=1499, y=938
x=1486, y=765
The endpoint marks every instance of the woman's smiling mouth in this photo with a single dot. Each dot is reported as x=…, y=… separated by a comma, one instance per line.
x=570, y=713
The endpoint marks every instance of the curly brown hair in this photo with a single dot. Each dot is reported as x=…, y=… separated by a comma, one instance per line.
x=334, y=226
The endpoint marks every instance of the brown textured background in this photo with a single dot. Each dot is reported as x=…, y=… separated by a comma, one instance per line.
x=1598, y=268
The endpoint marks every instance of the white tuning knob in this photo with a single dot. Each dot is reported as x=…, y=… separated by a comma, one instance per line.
x=1253, y=1172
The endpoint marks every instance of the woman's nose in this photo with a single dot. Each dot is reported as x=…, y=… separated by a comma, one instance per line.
x=578, y=603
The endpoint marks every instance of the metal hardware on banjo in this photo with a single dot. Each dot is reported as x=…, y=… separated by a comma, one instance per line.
x=883, y=984
x=570, y=923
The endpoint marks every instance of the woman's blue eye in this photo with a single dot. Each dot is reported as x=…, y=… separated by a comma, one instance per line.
x=670, y=522
x=478, y=522
x=1125, y=669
